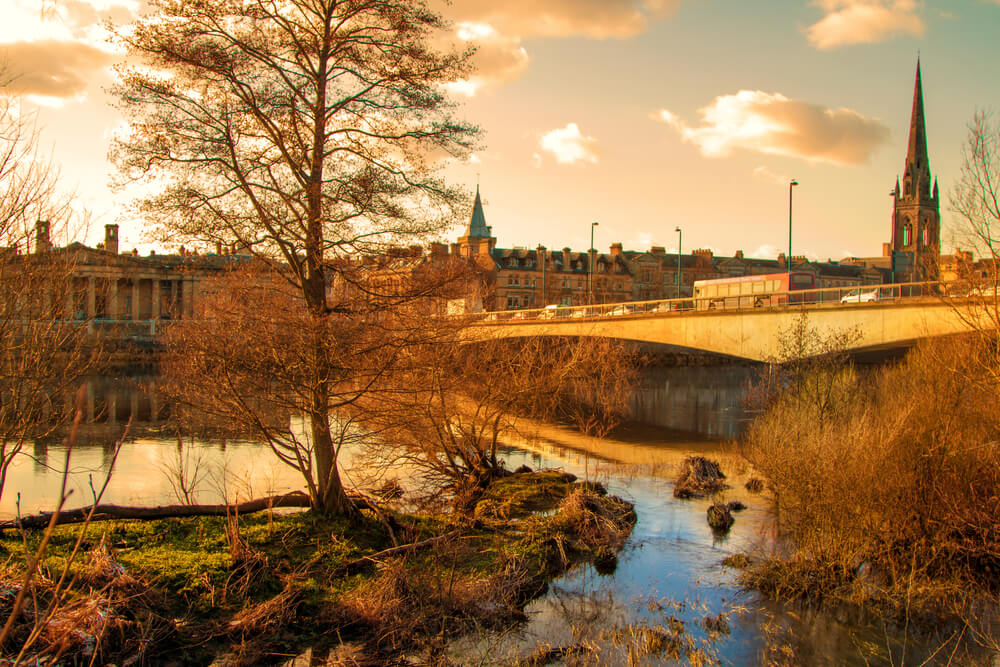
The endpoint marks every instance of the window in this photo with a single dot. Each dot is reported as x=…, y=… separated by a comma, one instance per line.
x=923, y=237
x=907, y=234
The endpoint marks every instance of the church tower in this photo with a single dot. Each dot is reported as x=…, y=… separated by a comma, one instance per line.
x=916, y=214
x=478, y=239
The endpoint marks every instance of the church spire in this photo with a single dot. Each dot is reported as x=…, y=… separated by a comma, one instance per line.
x=917, y=172
x=478, y=229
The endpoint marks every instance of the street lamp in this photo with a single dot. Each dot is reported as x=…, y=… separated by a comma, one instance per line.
x=677, y=291
x=791, y=184
x=590, y=265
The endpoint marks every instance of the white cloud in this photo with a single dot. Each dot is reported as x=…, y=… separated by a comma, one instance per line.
x=598, y=19
x=776, y=125
x=51, y=68
x=498, y=59
x=497, y=30
x=864, y=22
x=569, y=146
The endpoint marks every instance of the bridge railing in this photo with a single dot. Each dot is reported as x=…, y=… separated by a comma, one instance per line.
x=848, y=296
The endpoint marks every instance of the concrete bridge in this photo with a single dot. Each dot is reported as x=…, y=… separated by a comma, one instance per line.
x=885, y=318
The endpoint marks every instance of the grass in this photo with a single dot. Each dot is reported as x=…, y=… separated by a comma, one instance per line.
x=268, y=586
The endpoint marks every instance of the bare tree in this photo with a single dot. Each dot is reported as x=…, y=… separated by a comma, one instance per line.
x=453, y=405
x=28, y=179
x=303, y=130
x=42, y=356
x=246, y=360
x=976, y=200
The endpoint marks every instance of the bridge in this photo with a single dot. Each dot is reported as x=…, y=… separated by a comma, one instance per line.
x=884, y=317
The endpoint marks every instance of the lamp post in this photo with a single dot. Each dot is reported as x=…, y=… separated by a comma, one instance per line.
x=791, y=185
x=677, y=290
x=590, y=266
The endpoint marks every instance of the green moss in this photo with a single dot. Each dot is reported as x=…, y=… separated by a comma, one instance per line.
x=318, y=564
x=518, y=496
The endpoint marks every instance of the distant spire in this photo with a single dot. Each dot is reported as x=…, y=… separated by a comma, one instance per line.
x=478, y=229
x=917, y=166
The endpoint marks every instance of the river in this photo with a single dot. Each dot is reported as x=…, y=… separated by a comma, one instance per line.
x=671, y=567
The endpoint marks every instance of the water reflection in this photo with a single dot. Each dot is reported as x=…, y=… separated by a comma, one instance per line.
x=707, y=400
x=671, y=566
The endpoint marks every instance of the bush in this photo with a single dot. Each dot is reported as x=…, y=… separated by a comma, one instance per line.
x=886, y=483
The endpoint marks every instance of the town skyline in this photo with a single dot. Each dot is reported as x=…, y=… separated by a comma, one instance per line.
x=693, y=125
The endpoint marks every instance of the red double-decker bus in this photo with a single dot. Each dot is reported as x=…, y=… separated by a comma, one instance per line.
x=772, y=289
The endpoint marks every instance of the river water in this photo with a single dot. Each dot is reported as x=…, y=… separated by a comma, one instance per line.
x=670, y=570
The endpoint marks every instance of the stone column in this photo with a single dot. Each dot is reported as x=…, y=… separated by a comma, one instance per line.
x=189, y=298
x=155, y=299
x=91, y=299
x=113, y=299
x=135, y=298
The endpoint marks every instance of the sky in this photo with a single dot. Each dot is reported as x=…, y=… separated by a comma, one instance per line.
x=641, y=115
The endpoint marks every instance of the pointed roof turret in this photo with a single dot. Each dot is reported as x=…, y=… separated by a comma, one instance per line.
x=478, y=229
x=917, y=165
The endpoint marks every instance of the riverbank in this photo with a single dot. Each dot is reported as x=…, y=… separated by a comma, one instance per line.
x=261, y=588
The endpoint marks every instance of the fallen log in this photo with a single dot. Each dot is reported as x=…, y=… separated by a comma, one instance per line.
x=111, y=512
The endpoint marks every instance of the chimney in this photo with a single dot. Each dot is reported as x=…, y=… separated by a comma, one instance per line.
x=567, y=257
x=887, y=250
x=456, y=249
x=781, y=259
x=218, y=248
x=111, y=238
x=657, y=250
x=703, y=252
x=616, y=249
x=42, y=241
x=439, y=250
x=739, y=254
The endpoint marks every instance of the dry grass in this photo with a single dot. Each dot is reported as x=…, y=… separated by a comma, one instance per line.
x=886, y=484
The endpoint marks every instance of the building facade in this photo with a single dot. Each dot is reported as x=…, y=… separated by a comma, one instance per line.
x=106, y=285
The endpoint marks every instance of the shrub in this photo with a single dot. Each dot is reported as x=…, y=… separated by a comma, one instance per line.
x=888, y=484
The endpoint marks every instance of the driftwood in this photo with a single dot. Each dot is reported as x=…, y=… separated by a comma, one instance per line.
x=111, y=512
x=406, y=548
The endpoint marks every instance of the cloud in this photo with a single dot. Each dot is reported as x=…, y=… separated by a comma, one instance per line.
x=82, y=15
x=598, y=19
x=498, y=59
x=864, y=22
x=569, y=146
x=497, y=30
x=52, y=68
x=773, y=124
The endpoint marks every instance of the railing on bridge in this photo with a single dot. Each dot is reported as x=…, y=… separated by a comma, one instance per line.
x=827, y=297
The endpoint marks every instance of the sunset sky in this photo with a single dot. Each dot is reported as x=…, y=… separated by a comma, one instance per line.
x=642, y=115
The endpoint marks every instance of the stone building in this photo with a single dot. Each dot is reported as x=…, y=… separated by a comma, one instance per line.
x=519, y=278
x=655, y=273
x=107, y=285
